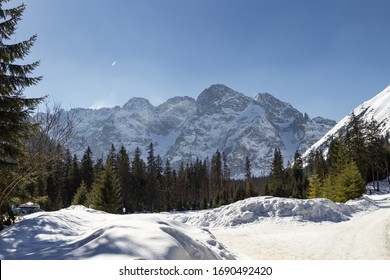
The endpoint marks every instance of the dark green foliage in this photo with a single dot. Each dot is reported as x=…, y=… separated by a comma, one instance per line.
x=87, y=170
x=276, y=183
x=138, y=182
x=15, y=108
x=357, y=156
x=124, y=177
x=297, y=181
x=153, y=186
x=216, y=171
x=249, y=190
x=106, y=194
x=168, y=200
x=80, y=197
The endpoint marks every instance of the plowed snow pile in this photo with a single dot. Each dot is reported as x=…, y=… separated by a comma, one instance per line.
x=257, y=209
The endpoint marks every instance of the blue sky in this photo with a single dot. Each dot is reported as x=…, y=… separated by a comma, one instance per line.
x=324, y=57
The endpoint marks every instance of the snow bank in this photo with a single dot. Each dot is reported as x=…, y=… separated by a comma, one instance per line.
x=82, y=233
x=259, y=208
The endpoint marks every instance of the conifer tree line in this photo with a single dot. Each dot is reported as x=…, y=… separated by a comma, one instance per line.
x=149, y=184
x=358, y=155
x=120, y=181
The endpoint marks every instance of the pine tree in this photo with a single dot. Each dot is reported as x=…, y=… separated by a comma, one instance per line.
x=15, y=108
x=216, y=172
x=56, y=182
x=87, y=170
x=375, y=149
x=124, y=177
x=151, y=183
x=355, y=142
x=250, y=191
x=80, y=197
x=168, y=187
x=315, y=187
x=298, y=179
x=112, y=156
x=106, y=193
x=352, y=181
x=139, y=178
x=276, y=183
x=98, y=167
x=226, y=172
x=75, y=179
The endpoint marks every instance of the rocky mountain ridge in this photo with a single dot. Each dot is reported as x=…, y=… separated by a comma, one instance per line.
x=183, y=129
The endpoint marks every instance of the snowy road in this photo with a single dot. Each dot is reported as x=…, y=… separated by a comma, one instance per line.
x=363, y=237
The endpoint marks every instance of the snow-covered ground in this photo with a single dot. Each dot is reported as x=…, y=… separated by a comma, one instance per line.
x=255, y=228
x=81, y=233
x=364, y=235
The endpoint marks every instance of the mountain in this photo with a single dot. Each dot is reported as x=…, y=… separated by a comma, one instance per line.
x=183, y=129
x=377, y=108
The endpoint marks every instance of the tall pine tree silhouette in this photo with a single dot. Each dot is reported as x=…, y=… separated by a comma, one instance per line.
x=15, y=108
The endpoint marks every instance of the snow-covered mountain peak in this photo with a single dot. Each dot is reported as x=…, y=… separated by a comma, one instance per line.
x=215, y=96
x=377, y=108
x=175, y=102
x=283, y=113
x=137, y=103
x=270, y=100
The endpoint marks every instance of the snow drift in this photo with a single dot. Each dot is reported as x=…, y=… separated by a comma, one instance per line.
x=257, y=209
x=81, y=233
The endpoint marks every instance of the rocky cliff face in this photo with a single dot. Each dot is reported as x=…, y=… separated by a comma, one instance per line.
x=183, y=129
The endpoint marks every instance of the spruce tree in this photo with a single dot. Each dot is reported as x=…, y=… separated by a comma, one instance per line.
x=80, y=197
x=151, y=183
x=216, y=171
x=139, y=178
x=250, y=191
x=352, y=182
x=87, y=170
x=355, y=142
x=298, y=180
x=168, y=187
x=124, y=177
x=276, y=183
x=15, y=108
x=315, y=187
x=106, y=193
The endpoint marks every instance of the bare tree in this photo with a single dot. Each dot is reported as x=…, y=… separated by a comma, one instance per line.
x=54, y=130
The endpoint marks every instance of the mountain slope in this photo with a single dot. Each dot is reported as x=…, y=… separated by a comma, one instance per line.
x=377, y=108
x=183, y=129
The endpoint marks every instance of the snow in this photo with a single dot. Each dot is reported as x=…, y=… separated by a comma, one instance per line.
x=81, y=233
x=255, y=228
x=258, y=209
x=376, y=108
